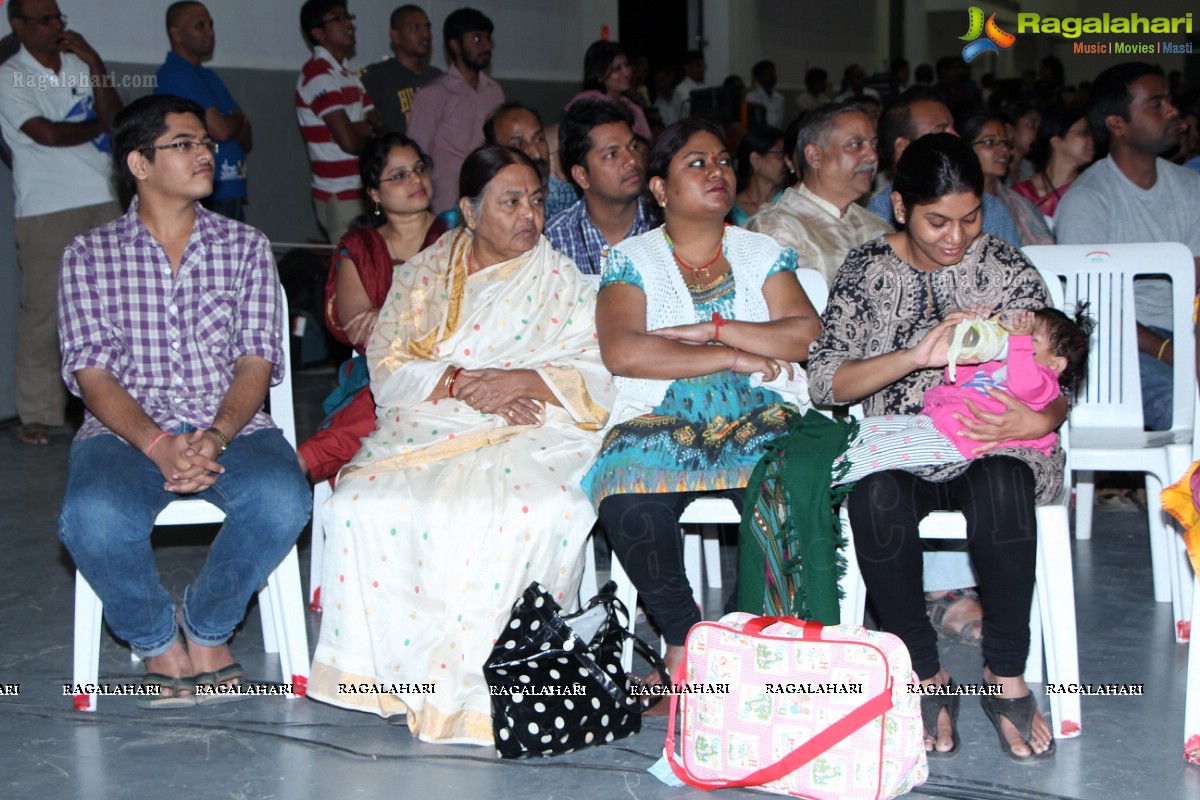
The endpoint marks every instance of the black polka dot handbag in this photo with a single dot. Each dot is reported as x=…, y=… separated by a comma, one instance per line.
x=556, y=682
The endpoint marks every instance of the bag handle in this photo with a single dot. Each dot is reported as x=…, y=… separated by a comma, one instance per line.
x=812, y=630
x=877, y=706
x=607, y=596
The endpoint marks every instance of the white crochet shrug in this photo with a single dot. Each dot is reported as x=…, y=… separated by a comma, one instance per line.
x=668, y=302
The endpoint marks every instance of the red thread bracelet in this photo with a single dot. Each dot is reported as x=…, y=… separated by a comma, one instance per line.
x=453, y=378
x=736, y=353
x=155, y=441
x=717, y=323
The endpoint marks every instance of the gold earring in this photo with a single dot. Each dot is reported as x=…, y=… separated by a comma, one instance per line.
x=378, y=210
x=662, y=203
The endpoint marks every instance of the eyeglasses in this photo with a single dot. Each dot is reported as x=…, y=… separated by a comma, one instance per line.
x=45, y=19
x=402, y=175
x=185, y=146
x=338, y=17
x=992, y=143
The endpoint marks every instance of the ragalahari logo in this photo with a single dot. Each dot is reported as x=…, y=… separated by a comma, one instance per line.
x=995, y=41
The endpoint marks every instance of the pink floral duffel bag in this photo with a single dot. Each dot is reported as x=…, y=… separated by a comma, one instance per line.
x=797, y=708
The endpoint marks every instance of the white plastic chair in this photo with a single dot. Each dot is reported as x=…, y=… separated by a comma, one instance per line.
x=1106, y=422
x=322, y=491
x=1052, y=617
x=280, y=603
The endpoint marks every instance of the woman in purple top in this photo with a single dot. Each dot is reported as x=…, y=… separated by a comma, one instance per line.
x=607, y=75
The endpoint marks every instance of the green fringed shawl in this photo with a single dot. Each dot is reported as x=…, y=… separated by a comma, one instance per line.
x=789, y=559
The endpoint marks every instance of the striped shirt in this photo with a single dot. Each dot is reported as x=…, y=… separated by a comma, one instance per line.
x=573, y=234
x=171, y=341
x=325, y=86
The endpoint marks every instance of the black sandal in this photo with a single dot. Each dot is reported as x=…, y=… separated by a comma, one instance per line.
x=1019, y=711
x=931, y=709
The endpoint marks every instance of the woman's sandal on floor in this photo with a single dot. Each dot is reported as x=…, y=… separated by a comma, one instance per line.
x=970, y=632
x=213, y=687
x=931, y=709
x=182, y=691
x=1019, y=711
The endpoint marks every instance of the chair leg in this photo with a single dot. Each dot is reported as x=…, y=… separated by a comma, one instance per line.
x=691, y=567
x=89, y=621
x=1178, y=459
x=1160, y=542
x=1056, y=601
x=322, y=491
x=1033, y=663
x=285, y=597
x=589, y=585
x=1182, y=585
x=712, y=555
x=267, y=617
x=1191, y=713
x=1085, y=497
x=627, y=594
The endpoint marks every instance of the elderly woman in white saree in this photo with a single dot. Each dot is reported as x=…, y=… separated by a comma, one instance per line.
x=490, y=394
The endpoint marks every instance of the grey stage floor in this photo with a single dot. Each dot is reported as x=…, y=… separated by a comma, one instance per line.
x=274, y=748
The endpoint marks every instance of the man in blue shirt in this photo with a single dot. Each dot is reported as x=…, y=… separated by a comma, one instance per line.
x=190, y=29
x=603, y=157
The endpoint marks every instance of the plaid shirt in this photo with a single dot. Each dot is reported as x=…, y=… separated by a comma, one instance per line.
x=171, y=342
x=572, y=233
x=560, y=196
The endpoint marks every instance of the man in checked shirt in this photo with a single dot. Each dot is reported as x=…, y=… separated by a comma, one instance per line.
x=169, y=319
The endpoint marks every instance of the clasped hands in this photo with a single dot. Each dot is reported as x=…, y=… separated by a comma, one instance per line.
x=358, y=328
x=188, y=461
x=507, y=393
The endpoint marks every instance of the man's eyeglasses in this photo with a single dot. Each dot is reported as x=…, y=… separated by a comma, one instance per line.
x=339, y=17
x=185, y=146
x=401, y=175
x=45, y=19
x=992, y=143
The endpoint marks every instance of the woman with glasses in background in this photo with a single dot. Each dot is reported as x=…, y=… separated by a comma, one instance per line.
x=395, y=174
x=986, y=132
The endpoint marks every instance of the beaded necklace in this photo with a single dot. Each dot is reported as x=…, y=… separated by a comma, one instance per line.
x=701, y=273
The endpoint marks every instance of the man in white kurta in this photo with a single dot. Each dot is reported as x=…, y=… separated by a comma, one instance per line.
x=819, y=218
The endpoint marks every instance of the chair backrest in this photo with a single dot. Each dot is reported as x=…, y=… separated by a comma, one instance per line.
x=282, y=408
x=1103, y=276
x=815, y=286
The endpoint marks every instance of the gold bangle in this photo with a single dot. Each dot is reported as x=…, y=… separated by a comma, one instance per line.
x=1162, y=347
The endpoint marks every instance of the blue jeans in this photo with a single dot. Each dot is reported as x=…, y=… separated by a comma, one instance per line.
x=1157, y=390
x=114, y=493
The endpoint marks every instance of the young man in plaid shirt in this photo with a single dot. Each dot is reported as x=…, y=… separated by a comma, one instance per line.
x=170, y=325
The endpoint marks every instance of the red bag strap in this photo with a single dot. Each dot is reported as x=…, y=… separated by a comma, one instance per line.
x=812, y=630
x=878, y=705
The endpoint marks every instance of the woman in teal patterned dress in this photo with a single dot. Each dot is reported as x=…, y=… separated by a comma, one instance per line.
x=686, y=314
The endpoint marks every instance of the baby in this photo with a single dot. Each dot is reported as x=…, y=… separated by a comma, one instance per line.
x=1047, y=352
